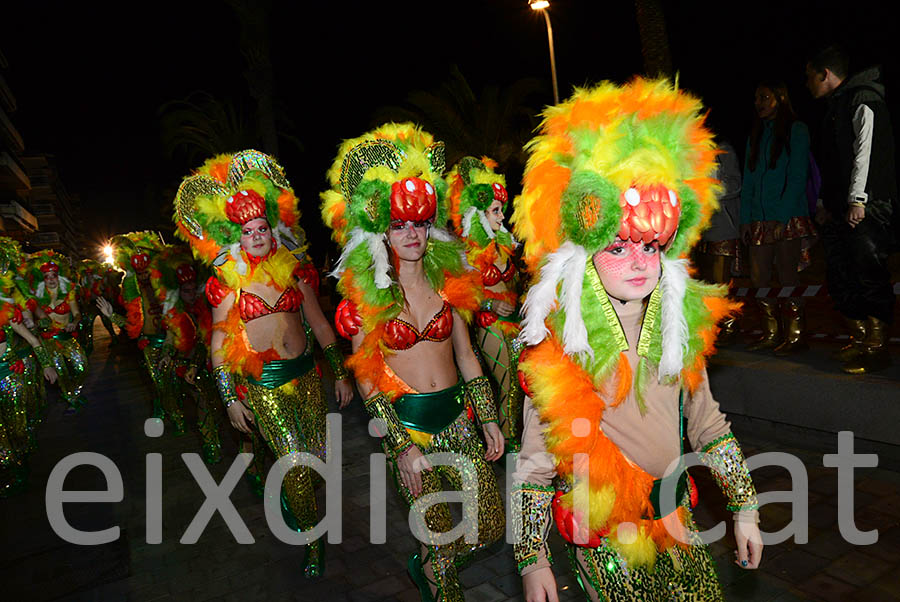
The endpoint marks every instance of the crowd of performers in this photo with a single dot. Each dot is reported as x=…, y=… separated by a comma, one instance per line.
x=583, y=348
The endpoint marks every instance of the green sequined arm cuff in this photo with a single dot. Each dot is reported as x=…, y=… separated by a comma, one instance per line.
x=43, y=356
x=336, y=361
x=225, y=385
x=481, y=396
x=396, y=439
x=118, y=320
x=531, y=523
x=725, y=459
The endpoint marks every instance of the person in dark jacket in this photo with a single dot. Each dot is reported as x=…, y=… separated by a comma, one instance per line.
x=859, y=188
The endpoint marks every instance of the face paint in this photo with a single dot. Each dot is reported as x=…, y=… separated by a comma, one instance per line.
x=628, y=270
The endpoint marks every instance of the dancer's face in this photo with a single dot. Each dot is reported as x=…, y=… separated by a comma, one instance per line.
x=256, y=237
x=766, y=103
x=51, y=280
x=409, y=239
x=188, y=291
x=494, y=215
x=628, y=270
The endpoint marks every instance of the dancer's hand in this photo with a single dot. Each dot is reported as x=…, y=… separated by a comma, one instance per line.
x=104, y=306
x=241, y=417
x=540, y=586
x=493, y=438
x=190, y=374
x=70, y=327
x=164, y=362
x=50, y=375
x=343, y=392
x=411, y=463
x=502, y=308
x=749, y=543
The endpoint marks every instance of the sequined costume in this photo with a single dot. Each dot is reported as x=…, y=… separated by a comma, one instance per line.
x=474, y=187
x=58, y=303
x=87, y=291
x=21, y=381
x=283, y=390
x=387, y=177
x=609, y=381
x=188, y=324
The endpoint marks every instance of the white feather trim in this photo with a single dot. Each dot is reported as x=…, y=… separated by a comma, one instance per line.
x=567, y=264
x=441, y=234
x=674, y=325
x=467, y=221
x=379, y=253
x=357, y=237
x=486, y=225
x=235, y=252
x=40, y=289
x=6, y=299
x=171, y=299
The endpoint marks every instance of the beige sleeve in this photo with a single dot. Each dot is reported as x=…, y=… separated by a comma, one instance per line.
x=534, y=465
x=705, y=422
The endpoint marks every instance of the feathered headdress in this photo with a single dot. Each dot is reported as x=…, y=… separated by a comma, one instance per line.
x=173, y=266
x=473, y=187
x=133, y=253
x=10, y=260
x=45, y=261
x=227, y=192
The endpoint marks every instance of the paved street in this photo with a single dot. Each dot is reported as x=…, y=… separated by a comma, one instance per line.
x=38, y=565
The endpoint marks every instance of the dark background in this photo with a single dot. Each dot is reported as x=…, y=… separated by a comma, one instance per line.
x=91, y=78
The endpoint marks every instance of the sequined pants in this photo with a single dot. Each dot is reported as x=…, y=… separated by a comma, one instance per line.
x=460, y=437
x=291, y=418
x=684, y=574
x=15, y=437
x=70, y=363
x=209, y=410
x=166, y=400
x=500, y=353
x=86, y=332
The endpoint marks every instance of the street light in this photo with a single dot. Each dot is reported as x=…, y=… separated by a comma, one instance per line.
x=108, y=254
x=542, y=6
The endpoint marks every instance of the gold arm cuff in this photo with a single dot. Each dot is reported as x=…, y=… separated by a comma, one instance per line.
x=531, y=523
x=725, y=459
x=481, y=396
x=396, y=439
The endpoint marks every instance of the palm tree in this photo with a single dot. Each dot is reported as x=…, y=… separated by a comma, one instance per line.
x=497, y=122
x=202, y=126
x=651, y=21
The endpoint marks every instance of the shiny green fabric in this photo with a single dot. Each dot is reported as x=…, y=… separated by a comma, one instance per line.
x=279, y=372
x=431, y=412
x=680, y=488
x=155, y=340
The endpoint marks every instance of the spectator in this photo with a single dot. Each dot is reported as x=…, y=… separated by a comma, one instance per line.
x=858, y=189
x=774, y=212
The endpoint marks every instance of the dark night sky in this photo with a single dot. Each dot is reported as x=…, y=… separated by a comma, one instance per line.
x=90, y=77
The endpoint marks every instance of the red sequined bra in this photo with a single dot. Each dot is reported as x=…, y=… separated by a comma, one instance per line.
x=253, y=306
x=61, y=309
x=400, y=334
x=492, y=274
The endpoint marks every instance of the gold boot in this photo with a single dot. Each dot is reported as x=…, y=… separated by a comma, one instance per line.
x=874, y=355
x=794, y=328
x=771, y=336
x=728, y=332
x=855, y=347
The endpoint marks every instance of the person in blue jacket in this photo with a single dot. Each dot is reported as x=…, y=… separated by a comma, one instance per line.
x=775, y=213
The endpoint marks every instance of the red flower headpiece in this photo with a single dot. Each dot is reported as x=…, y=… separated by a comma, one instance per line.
x=649, y=214
x=413, y=199
x=140, y=262
x=500, y=193
x=244, y=206
x=50, y=266
x=185, y=273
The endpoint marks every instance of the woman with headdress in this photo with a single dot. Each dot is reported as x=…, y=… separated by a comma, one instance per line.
x=88, y=291
x=239, y=215
x=617, y=188
x=143, y=320
x=21, y=383
x=478, y=199
x=406, y=293
x=51, y=295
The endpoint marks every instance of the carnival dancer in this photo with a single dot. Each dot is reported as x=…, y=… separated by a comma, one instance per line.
x=143, y=320
x=617, y=189
x=88, y=291
x=111, y=290
x=188, y=319
x=478, y=200
x=21, y=381
x=51, y=297
x=407, y=295
x=240, y=215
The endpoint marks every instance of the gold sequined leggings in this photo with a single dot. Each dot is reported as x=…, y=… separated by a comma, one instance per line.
x=460, y=437
x=166, y=400
x=68, y=359
x=501, y=356
x=687, y=574
x=291, y=418
x=13, y=420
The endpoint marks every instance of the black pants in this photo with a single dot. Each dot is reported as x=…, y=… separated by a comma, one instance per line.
x=856, y=265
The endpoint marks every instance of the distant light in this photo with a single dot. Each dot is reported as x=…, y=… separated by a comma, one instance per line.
x=539, y=4
x=108, y=254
